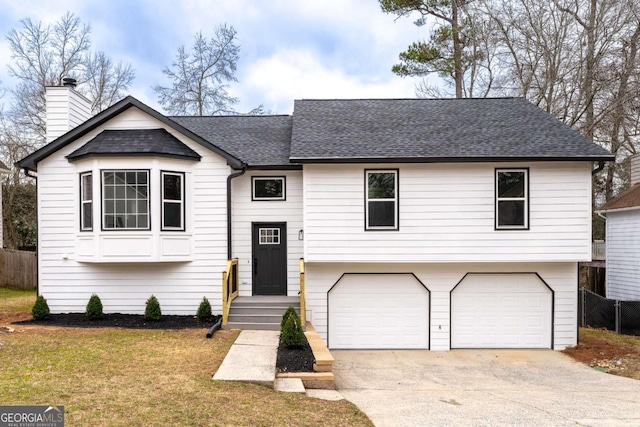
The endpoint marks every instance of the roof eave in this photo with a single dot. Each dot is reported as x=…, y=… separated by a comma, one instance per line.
x=291, y=166
x=133, y=154
x=628, y=208
x=307, y=160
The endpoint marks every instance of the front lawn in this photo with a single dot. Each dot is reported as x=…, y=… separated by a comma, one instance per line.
x=14, y=301
x=108, y=376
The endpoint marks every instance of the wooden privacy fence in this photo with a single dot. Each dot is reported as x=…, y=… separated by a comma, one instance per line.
x=18, y=269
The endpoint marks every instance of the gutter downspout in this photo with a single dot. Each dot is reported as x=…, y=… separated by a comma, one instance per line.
x=35, y=177
x=229, y=178
x=598, y=168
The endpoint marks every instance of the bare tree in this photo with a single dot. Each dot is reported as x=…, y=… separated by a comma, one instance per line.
x=44, y=55
x=577, y=60
x=200, y=78
x=105, y=80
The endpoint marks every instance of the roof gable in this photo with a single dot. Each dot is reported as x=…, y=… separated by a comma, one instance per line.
x=433, y=130
x=157, y=142
x=30, y=162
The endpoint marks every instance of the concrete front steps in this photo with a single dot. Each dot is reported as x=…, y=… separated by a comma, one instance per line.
x=260, y=312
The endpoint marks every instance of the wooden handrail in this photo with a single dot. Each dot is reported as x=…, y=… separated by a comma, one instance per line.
x=303, y=310
x=229, y=287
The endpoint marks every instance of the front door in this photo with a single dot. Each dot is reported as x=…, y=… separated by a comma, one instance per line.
x=269, y=258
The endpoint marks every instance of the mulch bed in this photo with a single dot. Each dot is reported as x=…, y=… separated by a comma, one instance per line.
x=117, y=320
x=295, y=359
x=289, y=359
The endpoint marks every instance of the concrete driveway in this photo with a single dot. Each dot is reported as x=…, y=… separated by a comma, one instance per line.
x=483, y=388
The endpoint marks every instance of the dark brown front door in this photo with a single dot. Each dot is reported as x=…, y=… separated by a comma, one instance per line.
x=269, y=258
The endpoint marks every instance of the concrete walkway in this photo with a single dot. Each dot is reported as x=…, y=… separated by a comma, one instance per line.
x=252, y=359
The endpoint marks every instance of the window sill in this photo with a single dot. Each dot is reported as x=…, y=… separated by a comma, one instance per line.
x=133, y=247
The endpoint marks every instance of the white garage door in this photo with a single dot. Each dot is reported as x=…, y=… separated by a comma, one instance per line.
x=378, y=311
x=501, y=311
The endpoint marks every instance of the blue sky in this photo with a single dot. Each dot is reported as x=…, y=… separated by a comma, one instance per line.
x=290, y=49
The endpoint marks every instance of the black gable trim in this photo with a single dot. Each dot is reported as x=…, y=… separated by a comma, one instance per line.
x=30, y=162
x=138, y=142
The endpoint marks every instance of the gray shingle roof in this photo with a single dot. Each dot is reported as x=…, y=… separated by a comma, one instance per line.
x=135, y=142
x=433, y=130
x=257, y=140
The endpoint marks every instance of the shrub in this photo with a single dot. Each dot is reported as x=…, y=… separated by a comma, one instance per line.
x=152, y=310
x=94, y=308
x=286, y=315
x=40, y=310
x=204, y=310
x=292, y=335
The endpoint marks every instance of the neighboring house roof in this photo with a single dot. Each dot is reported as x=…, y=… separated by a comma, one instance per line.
x=4, y=168
x=260, y=141
x=628, y=199
x=31, y=161
x=433, y=130
x=135, y=142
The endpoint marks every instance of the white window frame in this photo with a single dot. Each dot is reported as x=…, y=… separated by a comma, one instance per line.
x=86, y=204
x=180, y=202
x=524, y=199
x=103, y=214
x=269, y=239
x=255, y=179
x=396, y=200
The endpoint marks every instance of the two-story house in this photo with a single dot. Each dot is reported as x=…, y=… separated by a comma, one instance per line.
x=422, y=223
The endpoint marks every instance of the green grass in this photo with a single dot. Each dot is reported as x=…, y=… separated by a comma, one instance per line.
x=14, y=301
x=114, y=377
x=108, y=377
x=627, y=340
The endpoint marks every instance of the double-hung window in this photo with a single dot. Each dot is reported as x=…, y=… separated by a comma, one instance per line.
x=86, y=201
x=381, y=200
x=512, y=199
x=172, y=201
x=125, y=200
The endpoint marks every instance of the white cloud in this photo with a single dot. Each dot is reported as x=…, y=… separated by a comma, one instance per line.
x=289, y=48
x=294, y=74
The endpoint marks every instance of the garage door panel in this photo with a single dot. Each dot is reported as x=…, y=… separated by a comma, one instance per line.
x=501, y=311
x=372, y=311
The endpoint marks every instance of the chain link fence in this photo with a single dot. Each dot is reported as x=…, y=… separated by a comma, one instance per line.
x=595, y=311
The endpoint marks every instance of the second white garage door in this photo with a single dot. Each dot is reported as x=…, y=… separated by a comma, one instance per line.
x=378, y=311
x=501, y=311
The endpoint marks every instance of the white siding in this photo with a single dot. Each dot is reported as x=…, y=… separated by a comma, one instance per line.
x=440, y=279
x=634, y=169
x=66, y=109
x=623, y=255
x=447, y=215
x=245, y=211
x=67, y=284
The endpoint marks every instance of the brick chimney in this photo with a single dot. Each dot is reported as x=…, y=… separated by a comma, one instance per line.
x=634, y=166
x=65, y=108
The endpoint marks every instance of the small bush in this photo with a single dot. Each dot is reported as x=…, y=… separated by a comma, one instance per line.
x=286, y=315
x=152, y=310
x=204, y=310
x=292, y=335
x=94, y=308
x=40, y=310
